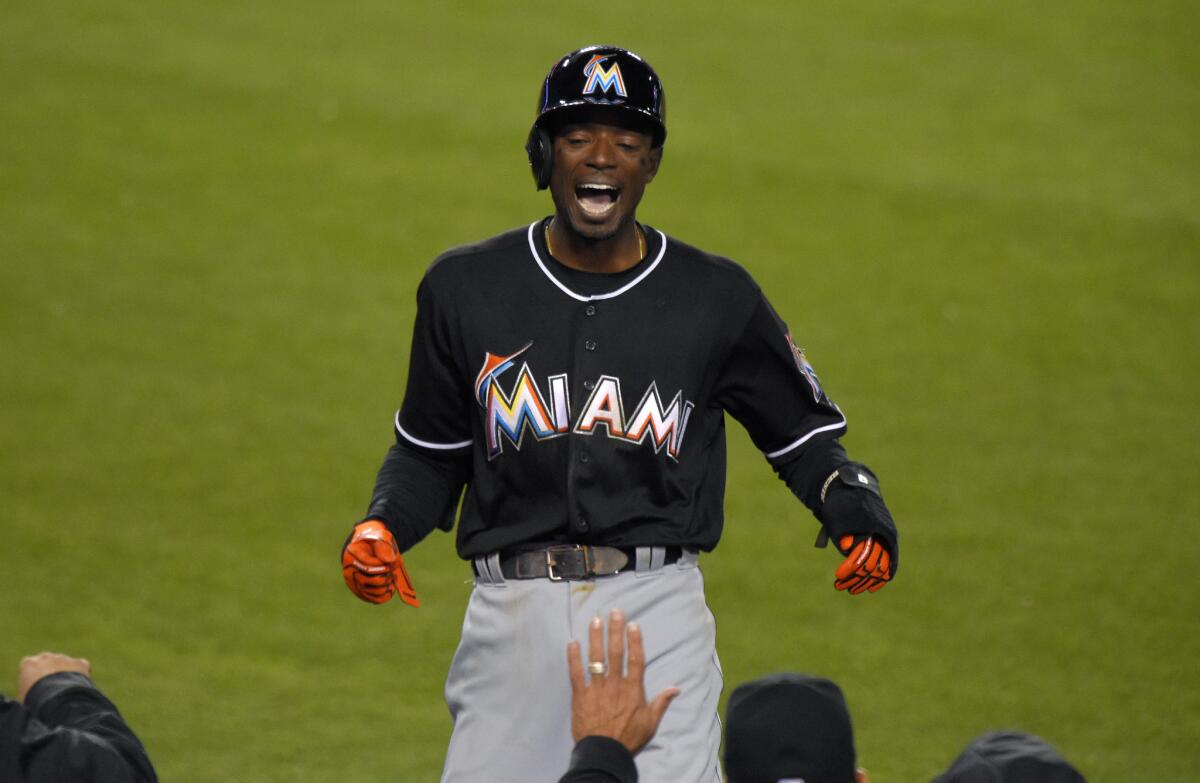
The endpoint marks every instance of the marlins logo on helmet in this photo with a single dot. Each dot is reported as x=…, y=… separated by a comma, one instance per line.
x=604, y=78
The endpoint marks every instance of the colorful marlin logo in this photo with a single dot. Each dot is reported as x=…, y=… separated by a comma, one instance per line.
x=603, y=78
x=805, y=368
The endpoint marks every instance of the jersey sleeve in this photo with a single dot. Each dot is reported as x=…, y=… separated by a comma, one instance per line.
x=769, y=386
x=417, y=491
x=435, y=416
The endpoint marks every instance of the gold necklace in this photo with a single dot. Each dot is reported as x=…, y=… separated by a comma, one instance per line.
x=641, y=241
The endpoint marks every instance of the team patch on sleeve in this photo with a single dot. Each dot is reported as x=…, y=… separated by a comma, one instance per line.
x=805, y=368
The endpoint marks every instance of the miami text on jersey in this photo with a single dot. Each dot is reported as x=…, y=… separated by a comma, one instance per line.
x=509, y=415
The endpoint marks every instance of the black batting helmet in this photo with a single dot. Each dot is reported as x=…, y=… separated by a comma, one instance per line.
x=604, y=76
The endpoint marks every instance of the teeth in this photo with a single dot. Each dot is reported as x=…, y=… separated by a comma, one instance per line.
x=597, y=199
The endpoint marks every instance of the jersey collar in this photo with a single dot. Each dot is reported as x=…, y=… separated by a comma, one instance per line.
x=535, y=249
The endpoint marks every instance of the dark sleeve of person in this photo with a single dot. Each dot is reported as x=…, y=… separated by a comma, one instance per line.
x=422, y=477
x=68, y=731
x=600, y=760
x=772, y=389
x=417, y=491
x=435, y=417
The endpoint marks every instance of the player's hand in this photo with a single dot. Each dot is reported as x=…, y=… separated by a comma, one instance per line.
x=373, y=567
x=613, y=704
x=867, y=567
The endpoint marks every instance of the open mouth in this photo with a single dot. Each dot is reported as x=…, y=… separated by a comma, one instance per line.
x=597, y=200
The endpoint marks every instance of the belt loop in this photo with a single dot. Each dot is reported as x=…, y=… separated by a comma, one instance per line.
x=488, y=569
x=643, y=553
x=650, y=559
x=688, y=558
x=482, y=573
x=493, y=567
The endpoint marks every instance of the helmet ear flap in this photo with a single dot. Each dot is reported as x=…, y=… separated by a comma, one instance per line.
x=540, y=148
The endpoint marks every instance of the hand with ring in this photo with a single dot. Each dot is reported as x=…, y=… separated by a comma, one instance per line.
x=613, y=703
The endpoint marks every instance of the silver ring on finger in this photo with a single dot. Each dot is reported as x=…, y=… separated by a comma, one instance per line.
x=598, y=668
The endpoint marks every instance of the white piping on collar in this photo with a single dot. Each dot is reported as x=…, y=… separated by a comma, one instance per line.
x=541, y=265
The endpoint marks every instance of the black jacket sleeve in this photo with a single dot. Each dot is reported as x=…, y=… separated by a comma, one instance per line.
x=600, y=760
x=68, y=731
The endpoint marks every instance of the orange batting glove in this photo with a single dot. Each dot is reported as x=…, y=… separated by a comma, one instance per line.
x=373, y=567
x=867, y=567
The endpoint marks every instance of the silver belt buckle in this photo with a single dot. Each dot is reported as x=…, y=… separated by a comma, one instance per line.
x=551, y=561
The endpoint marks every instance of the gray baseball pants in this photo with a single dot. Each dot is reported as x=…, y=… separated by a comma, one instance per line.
x=510, y=695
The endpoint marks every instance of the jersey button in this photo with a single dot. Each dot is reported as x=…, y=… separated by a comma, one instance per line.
x=590, y=310
x=590, y=345
x=582, y=524
x=589, y=384
x=583, y=457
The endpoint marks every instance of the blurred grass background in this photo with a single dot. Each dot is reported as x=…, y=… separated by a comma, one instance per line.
x=981, y=220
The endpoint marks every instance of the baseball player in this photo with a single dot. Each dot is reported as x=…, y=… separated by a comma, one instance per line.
x=573, y=375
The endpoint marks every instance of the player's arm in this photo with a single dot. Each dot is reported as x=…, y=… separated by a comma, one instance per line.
x=415, y=492
x=422, y=476
x=769, y=386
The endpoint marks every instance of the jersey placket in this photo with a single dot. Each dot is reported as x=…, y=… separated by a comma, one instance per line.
x=587, y=366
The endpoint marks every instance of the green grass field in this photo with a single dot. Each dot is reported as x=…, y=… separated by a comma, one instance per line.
x=981, y=219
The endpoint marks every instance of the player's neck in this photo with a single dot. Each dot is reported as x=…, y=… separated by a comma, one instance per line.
x=622, y=251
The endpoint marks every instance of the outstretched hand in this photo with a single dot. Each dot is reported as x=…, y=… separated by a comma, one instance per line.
x=35, y=667
x=613, y=702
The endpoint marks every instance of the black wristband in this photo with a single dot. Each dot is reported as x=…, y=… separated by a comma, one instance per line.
x=853, y=474
x=852, y=504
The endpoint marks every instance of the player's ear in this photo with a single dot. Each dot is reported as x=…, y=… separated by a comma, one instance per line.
x=654, y=160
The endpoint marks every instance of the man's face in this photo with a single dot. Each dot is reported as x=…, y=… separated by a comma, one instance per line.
x=600, y=173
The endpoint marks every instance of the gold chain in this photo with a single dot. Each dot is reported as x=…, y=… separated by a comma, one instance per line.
x=640, y=235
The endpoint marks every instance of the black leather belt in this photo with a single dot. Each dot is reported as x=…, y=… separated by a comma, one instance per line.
x=574, y=561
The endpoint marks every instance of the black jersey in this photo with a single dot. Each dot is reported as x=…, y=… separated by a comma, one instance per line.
x=591, y=406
